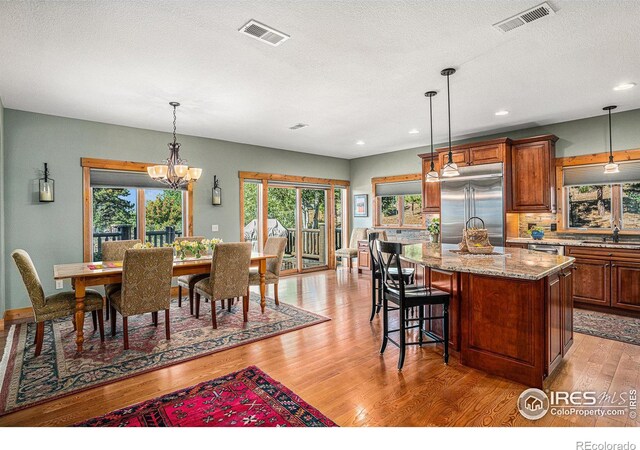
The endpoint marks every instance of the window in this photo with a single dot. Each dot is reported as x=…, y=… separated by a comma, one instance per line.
x=589, y=206
x=398, y=201
x=630, y=205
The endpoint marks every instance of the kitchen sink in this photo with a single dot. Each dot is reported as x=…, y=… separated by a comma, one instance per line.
x=609, y=242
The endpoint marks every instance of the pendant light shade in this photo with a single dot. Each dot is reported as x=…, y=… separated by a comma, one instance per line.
x=611, y=166
x=450, y=169
x=432, y=176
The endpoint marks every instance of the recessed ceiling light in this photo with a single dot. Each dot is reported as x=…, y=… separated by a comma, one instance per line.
x=624, y=86
x=360, y=143
x=414, y=131
x=503, y=112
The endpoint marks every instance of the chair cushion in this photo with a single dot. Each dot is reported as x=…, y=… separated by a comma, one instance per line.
x=63, y=304
x=203, y=287
x=347, y=252
x=254, y=277
x=418, y=295
x=109, y=289
x=189, y=280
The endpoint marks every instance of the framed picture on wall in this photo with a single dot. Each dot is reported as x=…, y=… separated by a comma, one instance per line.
x=360, y=205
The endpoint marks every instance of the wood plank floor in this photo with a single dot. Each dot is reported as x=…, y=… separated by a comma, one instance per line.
x=336, y=367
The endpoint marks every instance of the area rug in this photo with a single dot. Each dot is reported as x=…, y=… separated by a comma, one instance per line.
x=247, y=398
x=608, y=326
x=60, y=370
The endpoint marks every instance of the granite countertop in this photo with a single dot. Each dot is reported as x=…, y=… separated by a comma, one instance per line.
x=509, y=263
x=574, y=243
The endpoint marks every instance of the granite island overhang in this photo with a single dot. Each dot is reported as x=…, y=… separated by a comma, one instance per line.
x=511, y=313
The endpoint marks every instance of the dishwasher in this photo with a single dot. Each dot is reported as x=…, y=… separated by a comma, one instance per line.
x=547, y=248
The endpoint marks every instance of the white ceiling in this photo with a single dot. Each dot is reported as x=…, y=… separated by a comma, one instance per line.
x=353, y=70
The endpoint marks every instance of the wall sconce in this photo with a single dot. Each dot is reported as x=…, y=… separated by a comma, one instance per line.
x=216, y=192
x=46, y=187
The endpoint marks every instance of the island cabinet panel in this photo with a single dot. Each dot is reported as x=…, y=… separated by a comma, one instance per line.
x=503, y=327
x=447, y=282
x=554, y=317
x=430, y=191
x=532, y=176
x=591, y=281
x=625, y=285
x=566, y=292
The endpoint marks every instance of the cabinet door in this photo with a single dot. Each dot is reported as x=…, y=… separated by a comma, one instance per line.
x=363, y=255
x=591, y=281
x=460, y=157
x=566, y=290
x=486, y=154
x=430, y=191
x=625, y=285
x=554, y=322
x=531, y=180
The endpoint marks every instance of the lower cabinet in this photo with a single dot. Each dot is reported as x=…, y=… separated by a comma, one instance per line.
x=591, y=284
x=566, y=290
x=625, y=285
x=364, y=258
x=559, y=317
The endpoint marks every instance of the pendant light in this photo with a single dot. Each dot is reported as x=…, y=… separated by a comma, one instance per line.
x=174, y=171
x=610, y=167
x=450, y=169
x=432, y=176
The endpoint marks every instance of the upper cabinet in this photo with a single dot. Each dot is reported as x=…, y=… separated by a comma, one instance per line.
x=531, y=177
x=430, y=191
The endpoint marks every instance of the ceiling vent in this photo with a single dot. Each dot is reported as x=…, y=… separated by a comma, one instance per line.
x=298, y=126
x=525, y=17
x=263, y=33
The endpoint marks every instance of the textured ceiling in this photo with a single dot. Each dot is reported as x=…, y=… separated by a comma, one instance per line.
x=353, y=70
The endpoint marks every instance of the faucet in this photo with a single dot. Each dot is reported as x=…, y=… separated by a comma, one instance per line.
x=616, y=231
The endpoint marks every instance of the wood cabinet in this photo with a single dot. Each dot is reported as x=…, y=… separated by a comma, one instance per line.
x=606, y=278
x=566, y=293
x=517, y=245
x=625, y=285
x=430, y=191
x=460, y=157
x=364, y=258
x=532, y=177
x=559, y=317
x=486, y=154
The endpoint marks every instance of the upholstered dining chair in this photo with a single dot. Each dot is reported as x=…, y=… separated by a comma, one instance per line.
x=229, y=278
x=61, y=304
x=189, y=281
x=358, y=234
x=273, y=246
x=146, y=287
x=114, y=251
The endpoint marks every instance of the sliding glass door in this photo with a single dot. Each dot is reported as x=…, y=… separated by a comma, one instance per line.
x=282, y=221
x=313, y=234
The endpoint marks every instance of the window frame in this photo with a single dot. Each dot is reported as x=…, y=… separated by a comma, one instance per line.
x=615, y=219
x=87, y=196
x=377, y=203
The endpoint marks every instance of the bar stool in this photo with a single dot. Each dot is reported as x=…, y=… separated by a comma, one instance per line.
x=396, y=291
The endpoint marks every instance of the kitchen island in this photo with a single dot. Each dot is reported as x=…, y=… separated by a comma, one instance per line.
x=511, y=313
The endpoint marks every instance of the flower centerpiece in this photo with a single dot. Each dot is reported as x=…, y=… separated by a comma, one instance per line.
x=433, y=228
x=210, y=244
x=536, y=233
x=140, y=245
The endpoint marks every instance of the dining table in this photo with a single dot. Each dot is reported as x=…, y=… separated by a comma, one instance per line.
x=97, y=273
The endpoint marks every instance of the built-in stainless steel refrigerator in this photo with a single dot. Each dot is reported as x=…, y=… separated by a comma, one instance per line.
x=476, y=192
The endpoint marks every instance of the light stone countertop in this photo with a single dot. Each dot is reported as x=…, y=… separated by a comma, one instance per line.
x=575, y=242
x=509, y=263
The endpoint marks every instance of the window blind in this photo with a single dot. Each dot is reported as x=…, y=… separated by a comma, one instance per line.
x=594, y=174
x=402, y=188
x=124, y=179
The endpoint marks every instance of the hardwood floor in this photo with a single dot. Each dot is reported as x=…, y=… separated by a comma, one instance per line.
x=336, y=367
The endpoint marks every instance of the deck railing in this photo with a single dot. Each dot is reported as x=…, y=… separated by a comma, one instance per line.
x=157, y=238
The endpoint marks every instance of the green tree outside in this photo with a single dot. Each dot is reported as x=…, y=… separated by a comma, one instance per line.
x=164, y=211
x=111, y=207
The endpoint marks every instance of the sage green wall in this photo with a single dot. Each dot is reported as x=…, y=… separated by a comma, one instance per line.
x=577, y=137
x=52, y=233
x=2, y=248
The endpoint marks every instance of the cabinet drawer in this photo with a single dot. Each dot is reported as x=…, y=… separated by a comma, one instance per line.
x=604, y=253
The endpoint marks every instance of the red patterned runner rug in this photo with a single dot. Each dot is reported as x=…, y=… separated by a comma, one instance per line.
x=247, y=398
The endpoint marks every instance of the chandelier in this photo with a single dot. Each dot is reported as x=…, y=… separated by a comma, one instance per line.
x=174, y=171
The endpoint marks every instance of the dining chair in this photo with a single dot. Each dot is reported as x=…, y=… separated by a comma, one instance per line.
x=358, y=234
x=229, y=278
x=146, y=287
x=50, y=307
x=189, y=281
x=273, y=246
x=405, y=297
x=114, y=251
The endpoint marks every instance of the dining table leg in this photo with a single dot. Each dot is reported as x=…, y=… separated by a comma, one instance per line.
x=80, y=297
x=262, y=270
